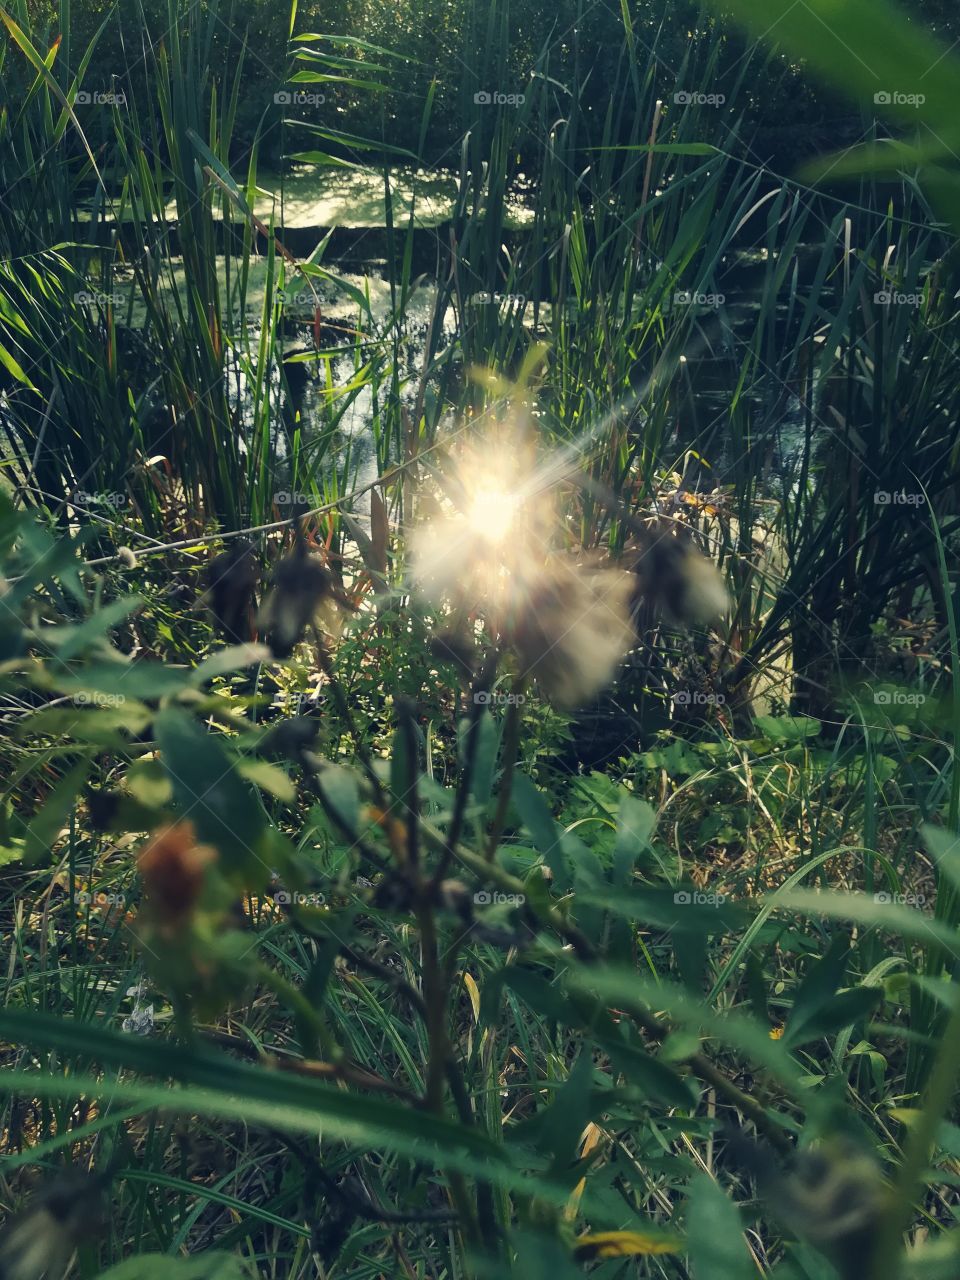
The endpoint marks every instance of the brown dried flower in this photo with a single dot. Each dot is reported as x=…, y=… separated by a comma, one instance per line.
x=173, y=867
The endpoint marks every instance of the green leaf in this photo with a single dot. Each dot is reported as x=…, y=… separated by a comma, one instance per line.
x=11, y=365
x=787, y=728
x=871, y=911
x=137, y=679
x=544, y=832
x=937, y=1259
x=159, y=1266
x=236, y=657
x=69, y=641
x=268, y=777
x=41, y=834
x=635, y=824
x=208, y=790
x=100, y=725
x=944, y=848
x=715, y=1244
x=148, y=782
x=340, y=788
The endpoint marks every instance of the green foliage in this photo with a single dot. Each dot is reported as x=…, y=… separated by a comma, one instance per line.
x=372, y=958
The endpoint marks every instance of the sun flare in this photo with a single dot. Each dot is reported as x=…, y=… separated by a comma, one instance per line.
x=492, y=514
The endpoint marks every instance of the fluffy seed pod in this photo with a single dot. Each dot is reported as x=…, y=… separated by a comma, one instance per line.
x=833, y=1196
x=173, y=867
x=41, y=1241
x=301, y=590
x=573, y=628
x=674, y=579
x=231, y=582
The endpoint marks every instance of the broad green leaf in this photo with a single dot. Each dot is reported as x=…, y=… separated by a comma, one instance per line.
x=95, y=724
x=873, y=911
x=944, y=848
x=236, y=657
x=715, y=1244
x=41, y=833
x=71, y=640
x=268, y=777
x=209, y=790
x=787, y=728
x=635, y=824
x=544, y=832
x=137, y=679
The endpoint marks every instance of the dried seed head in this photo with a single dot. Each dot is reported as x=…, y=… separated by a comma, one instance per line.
x=127, y=557
x=303, y=591
x=300, y=587
x=572, y=629
x=40, y=1241
x=232, y=579
x=674, y=579
x=173, y=867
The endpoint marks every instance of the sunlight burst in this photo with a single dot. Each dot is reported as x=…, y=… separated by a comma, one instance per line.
x=492, y=514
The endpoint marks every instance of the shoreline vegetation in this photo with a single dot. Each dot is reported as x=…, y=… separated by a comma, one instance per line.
x=479, y=664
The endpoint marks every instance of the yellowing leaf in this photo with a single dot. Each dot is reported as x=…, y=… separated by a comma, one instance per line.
x=269, y=778
x=473, y=991
x=623, y=1244
x=588, y=1143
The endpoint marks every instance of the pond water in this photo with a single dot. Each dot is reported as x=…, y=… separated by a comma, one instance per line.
x=349, y=206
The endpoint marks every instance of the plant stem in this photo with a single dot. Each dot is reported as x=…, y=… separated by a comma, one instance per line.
x=920, y=1141
x=511, y=750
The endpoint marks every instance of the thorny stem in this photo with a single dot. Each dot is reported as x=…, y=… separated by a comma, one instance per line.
x=434, y=998
x=410, y=801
